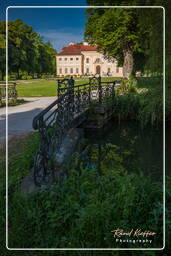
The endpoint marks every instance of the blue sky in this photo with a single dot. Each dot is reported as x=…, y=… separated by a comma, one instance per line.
x=58, y=25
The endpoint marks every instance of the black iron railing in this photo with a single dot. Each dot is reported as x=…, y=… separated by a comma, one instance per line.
x=12, y=91
x=67, y=112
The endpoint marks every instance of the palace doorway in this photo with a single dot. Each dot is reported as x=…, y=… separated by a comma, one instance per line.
x=98, y=70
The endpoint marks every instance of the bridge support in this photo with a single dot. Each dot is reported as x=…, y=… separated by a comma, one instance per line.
x=99, y=115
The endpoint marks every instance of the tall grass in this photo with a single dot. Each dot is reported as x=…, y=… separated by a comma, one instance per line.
x=144, y=105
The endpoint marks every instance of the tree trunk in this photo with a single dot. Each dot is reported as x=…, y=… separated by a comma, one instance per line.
x=18, y=73
x=3, y=75
x=128, y=63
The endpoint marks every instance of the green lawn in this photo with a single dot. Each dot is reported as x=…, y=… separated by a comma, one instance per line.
x=36, y=88
x=42, y=87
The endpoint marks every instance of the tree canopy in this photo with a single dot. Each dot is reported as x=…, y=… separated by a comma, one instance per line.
x=26, y=50
x=133, y=36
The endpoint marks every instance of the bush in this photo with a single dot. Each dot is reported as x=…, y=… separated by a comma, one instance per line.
x=141, y=99
x=26, y=77
x=29, y=77
x=127, y=86
x=9, y=78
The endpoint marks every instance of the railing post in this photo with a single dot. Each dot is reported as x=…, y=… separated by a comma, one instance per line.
x=71, y=83
x=59, y=87
x=15, y=92
x=89, y=91
x=100, y=89
x=113, y=89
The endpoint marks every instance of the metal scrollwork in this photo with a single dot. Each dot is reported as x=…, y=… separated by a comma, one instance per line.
x=55, y=120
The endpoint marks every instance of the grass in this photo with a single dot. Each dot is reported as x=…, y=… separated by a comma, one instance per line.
x=45, y=88
x=37, y=88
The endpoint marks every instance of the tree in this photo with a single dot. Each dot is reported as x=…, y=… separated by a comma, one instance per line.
x=117, y=34
x=27, y=53
x=2, y=50
x=133, y=36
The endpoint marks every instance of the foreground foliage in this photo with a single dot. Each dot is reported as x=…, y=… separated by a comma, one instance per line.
x=84, y=209
x=143, y=102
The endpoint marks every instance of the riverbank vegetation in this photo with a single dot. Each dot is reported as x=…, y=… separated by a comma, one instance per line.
x=82, y=210
x=143, y=101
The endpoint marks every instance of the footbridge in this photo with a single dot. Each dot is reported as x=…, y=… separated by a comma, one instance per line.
x=89, y=103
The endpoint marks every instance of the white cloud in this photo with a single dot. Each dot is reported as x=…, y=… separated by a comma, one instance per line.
x=62, y=37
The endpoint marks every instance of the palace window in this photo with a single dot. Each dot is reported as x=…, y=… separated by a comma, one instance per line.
x=117, y=69
x=60, y=59
x=71, y=58
x=97, y=60
x=60, y=70
x=65, y=59
x=77, y=58
x=87, y=70
x=87, y=60
x=66, y=70
x=108, y=70
x=77, y=70
x=71, y=70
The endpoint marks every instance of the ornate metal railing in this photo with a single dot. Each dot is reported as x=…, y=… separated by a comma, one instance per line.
x=12, y=92
x=67, y=112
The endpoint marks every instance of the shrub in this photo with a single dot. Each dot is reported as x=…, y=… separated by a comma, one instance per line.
x=29, y=77
x=126, y=86
x=141, y=99
x=26, y=77
x=43, y=76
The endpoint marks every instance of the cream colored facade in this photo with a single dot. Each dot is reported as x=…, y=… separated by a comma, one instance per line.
x=87, y=63
x=69, y=65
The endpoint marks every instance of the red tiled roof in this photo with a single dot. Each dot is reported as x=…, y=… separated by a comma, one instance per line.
x=76, y=49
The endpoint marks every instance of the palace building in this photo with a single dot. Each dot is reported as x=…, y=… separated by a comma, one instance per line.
x=84, y=59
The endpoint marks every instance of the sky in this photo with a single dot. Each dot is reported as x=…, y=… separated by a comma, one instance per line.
x=58, y=25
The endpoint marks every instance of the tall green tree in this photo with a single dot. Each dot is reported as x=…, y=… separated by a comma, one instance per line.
x=117, y=33
x=26, y=50
x=133, y=36
x=2, y=50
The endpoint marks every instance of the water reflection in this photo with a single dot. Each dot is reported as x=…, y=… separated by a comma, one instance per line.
x=140, y=150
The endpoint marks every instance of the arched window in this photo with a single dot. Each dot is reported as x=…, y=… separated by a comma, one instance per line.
x=87, y=60
x=97, y=60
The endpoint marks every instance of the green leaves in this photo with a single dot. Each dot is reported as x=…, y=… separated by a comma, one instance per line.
x=27, y=51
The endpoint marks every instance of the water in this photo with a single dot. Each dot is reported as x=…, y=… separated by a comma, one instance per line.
x=143, y=148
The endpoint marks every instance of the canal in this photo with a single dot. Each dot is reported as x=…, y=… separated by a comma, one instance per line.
x=141, y=149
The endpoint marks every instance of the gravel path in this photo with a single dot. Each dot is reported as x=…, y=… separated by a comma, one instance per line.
x=20, y=117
